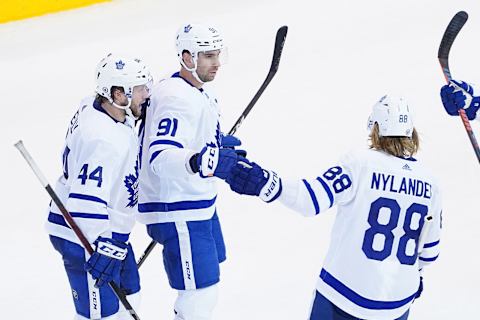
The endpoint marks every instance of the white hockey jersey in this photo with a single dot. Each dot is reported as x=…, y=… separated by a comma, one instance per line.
x=180, y=121
x=99, y=183
x=371, y=270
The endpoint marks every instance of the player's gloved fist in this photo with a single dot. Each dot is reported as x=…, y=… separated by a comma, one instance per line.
x=213, y=161
x=250, y=179
x=104, y=264
x=232, y=142
x=460, y=95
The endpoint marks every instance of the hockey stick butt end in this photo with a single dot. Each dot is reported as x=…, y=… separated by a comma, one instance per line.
x=18, y=144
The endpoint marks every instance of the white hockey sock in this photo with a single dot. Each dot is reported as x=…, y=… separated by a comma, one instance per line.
x=196, y=304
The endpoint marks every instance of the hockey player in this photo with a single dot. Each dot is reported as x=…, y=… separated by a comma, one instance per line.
x=99, y=188
x=383, y=197
x=180, y=160
x=460, y=95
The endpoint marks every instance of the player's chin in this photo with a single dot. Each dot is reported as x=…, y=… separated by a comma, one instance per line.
x=207, y=78
x=211, y=76
x=137, y=108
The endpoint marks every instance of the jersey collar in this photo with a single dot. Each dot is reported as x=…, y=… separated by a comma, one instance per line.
x=177, y=75
x=97, y=105
x=409, y=158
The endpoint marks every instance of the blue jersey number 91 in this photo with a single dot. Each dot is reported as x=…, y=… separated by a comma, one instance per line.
x=167, y=126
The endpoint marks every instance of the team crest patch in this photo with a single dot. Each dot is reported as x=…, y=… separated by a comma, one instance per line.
x=120, y=64
x=131, y=183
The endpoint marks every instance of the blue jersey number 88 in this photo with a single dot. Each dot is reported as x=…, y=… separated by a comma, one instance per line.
x=342, y=181
x=387, y=230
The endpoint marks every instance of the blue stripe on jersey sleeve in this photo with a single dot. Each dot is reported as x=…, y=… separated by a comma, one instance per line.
x=57, y=219
x=358, y=299
x=428, y=259
x=86, y=197
x=431, y=244
x=327, y=190
x=175, y=206
x=167, y=142
x=312, y=195
x=154, y=155
x=60, y=220
x=89, y=215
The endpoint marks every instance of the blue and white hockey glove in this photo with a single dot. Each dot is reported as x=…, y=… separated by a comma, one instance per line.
x=460, y=95
x=250, y=179
x=104, y=264
x=213, y=161
x=231, y=142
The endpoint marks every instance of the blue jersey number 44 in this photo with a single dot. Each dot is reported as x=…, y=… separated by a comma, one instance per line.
x=95, y=175
x=385, y=231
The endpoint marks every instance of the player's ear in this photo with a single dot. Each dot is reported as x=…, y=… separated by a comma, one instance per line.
x=188, y=59
x=116, y=93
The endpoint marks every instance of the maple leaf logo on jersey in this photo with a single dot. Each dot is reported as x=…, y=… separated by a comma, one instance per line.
x=211, y=144
x=218, y=138
x=120, y=64
x=131, y=183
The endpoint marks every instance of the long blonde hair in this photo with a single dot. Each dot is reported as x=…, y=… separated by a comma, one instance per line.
x=396, y=146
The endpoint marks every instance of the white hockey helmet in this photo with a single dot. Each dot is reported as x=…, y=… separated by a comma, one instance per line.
x=123, y=72
x=196, y=38
x=393, y=117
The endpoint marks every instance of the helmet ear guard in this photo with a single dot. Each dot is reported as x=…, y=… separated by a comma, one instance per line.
x=123, y=72
x=392, y=114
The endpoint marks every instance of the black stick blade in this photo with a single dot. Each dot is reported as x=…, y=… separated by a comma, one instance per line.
x=277, y=52
x=453, y=28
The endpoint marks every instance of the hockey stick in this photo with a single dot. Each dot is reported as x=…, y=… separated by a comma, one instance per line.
x=146, y=253
x=453, y=28
x=118, y=292
x=277, y=54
